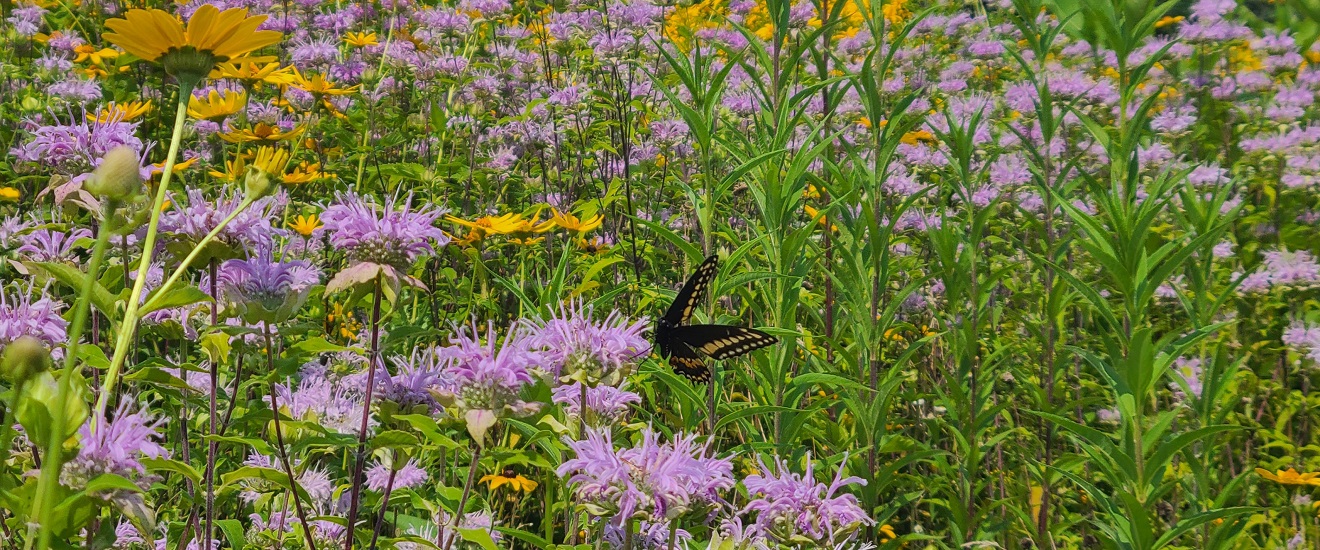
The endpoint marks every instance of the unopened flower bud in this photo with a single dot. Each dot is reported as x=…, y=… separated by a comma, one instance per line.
x=257, y=183
x=24, y=358
x=118, y=177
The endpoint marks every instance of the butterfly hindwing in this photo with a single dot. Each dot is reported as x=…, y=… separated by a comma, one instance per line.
x=693, y=290
x=687, y=362
x=721, y=342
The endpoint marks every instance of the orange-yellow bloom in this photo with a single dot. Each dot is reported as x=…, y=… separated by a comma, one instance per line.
x=360, y=39
x=305, y=225
x=210, y=37
x=513, y=479
x=572, y=223
x=1290, y=476
x=123, y=112
x=261, y=133
x=217, y=105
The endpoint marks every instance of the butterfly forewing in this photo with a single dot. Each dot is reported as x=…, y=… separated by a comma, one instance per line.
x=722, y=342
x=690, y=295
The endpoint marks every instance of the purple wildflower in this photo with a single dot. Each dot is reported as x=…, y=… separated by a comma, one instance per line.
x=605, y=404
x=20, y=316
x=76, y=148
x=249, y=230
x=574, y=344
x=1190, y=375
x=27, y=20
x=1303, y=338
x=650, y=481
x=791, y=507
x=126, y=535
x=407, y=477
x=648, y=536
x=115, y=447
x=49, y=245
x=441, y=533
x=409, y=386
x=484, y=380
x=262, y=289
x=383, y=234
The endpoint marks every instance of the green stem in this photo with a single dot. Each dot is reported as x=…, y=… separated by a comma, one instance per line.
x=50, y=468
x=129, y=326
x=197, y=251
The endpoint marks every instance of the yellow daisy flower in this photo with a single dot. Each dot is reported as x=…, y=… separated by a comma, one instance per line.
x=123, y=112
x=88, y=53
x=1290, y=476
x=210, y=37
x=319, y=85
x=594, y=245
x=9, y=194
x=917, y=136
x=159, y=167
x=508, y=224
x=254, y=74
x=261, y=133
x=360, y=39
x=304, y=173
x=217, y=105
x=234, y=170
x=271, y=160
x=572, y=223
x=305, y=225
x=513, y=479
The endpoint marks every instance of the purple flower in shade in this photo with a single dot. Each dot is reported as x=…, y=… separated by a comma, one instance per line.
x=20, y=316
x=487, y=8
x=577, y=347
x=1283, y=269
x=76, y=91
x=1189, y=378
x=315, y=481
x=605, y=404
x=75, y=149
x=1304, y=338
x=442, y=534
x=335, y=405
x=484, y=380
x=115, y=447
x=27, y=20
x=409, y=386
x=408, y=476
x=12, y=228
x=126, y=535
x=791, y=507
x=250, y=230
x=49, y=245
x=647, y=536
x=264, y=290
x=650, y=481
x=383, y=234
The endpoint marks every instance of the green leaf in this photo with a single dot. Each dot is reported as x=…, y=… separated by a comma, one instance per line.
x=233, y=530
x=168, y=465
x=106, y=483
x=752, y=411
x=73, y=278
x=481, y=537
x=176, y=297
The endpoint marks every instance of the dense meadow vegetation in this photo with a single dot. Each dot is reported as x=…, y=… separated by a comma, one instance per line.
x=387, y=273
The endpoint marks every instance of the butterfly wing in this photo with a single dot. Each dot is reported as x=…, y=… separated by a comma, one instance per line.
x=687, y=362
x=721, y=342
x=690, y=295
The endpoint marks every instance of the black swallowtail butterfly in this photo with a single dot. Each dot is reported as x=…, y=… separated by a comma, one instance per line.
x=684, y=345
